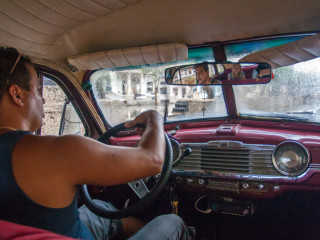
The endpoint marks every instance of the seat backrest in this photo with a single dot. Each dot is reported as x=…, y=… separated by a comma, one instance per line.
x=13, y=231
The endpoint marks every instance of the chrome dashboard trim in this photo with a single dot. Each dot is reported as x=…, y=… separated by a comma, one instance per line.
x=315, y=165
x=176, y=149
x=229, y=157
x=192, y=165
x=227, y=176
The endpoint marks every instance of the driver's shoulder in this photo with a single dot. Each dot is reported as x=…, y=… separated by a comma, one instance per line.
x=46, y=147
x=36, y=164
x=49, y=141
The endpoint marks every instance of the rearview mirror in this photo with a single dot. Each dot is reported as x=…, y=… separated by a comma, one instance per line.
x=210, y=73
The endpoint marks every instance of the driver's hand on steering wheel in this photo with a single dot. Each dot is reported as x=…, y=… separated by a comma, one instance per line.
x=144, y=120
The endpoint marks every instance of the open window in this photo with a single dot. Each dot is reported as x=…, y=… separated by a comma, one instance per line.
x=61, y=117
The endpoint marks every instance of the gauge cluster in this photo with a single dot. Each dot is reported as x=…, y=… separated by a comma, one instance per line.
x=290, y=158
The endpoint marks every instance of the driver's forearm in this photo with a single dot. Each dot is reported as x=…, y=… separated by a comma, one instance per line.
x=152, y=140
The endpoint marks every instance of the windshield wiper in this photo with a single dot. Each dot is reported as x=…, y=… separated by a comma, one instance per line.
x=300, y=112
x=279, y=117
x=294, y=119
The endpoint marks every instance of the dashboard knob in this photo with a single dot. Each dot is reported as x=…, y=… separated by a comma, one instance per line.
x=276, y=188
x=186, y=152
x=260, y=186
x=178, y=179
x=189, y=180
x=245, y=212
x=245, y=185
x=201, y=181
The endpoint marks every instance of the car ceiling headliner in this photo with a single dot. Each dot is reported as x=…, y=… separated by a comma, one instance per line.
x=55, y=30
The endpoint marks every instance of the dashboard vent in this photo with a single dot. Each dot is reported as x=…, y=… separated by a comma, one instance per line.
x=229, y=157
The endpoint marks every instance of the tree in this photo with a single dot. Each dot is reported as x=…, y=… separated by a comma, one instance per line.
x=157, y=74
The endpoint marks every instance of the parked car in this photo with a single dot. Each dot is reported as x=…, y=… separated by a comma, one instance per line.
x=246, y=162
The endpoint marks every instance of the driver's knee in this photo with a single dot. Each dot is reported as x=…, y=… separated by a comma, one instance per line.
x=130, y=226
x=168, y=226
x=101, y=228
x=178, y=227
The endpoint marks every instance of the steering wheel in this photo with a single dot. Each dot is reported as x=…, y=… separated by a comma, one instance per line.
x=145, y=195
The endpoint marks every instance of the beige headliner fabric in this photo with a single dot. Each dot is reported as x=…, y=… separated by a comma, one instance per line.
x=57, y=29
x=131, y=57
x=284, y=55
x=33, y=26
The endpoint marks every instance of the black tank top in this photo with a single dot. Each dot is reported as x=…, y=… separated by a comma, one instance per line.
x=17, y=207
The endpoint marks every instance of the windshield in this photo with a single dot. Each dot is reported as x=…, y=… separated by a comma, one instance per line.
x=122, y=94
x=293, y=93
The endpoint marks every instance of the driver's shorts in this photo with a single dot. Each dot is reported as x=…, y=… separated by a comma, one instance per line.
x=101, y=228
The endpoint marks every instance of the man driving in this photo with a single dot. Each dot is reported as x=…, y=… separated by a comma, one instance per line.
x=40, y=174
x=202, y=74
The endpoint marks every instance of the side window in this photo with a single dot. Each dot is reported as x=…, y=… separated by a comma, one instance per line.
x=60, y=116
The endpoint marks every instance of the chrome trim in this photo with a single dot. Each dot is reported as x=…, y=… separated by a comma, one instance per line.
x=314, y=168
x=139, y=187
x=227, y=176
x=315, y=165
x=176, y=149
x=229, y=157
x=284, y=172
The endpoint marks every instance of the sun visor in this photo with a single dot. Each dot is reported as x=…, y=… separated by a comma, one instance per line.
x=164, y=53
x=288, y=54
